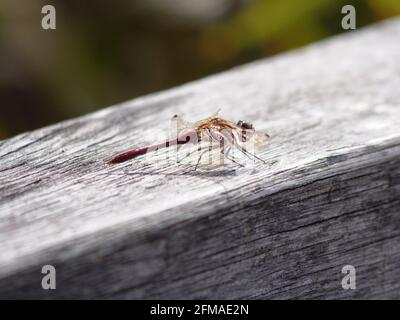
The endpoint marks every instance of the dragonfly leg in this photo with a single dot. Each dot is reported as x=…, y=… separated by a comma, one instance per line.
x=190, y=153
x=226, y=142
x=247, y=153
x=209, y=149
x=200, y=148
x=229, y=157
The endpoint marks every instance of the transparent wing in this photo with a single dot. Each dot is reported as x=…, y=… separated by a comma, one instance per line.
x=205, y=120
x=256, y=138
x=179, y=125
x=216, y=113
x=260, y=139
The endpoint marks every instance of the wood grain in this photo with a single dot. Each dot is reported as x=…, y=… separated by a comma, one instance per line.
x=151, y=228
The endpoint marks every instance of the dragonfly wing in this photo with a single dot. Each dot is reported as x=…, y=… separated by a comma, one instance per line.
x=216, y=113
x=261, y=139
x=179, y=125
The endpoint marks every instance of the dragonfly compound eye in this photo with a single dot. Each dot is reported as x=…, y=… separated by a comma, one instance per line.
x=245, y=125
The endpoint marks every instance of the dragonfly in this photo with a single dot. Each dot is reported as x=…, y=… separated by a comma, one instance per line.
x=208, y=134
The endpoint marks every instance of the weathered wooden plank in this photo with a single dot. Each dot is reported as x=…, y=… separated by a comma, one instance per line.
x=330, y=195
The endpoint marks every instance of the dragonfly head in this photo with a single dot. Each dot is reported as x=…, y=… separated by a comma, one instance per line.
x=245, y=125
x=247, y=129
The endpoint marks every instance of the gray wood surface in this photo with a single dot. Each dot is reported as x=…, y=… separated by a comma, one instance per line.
x=329, y=195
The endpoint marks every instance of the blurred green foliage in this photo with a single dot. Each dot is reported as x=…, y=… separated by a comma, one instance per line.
x=105, y=52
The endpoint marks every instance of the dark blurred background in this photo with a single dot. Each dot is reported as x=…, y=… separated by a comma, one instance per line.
x=105, y=52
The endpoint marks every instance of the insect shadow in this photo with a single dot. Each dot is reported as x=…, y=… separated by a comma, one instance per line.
x=195, y=173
